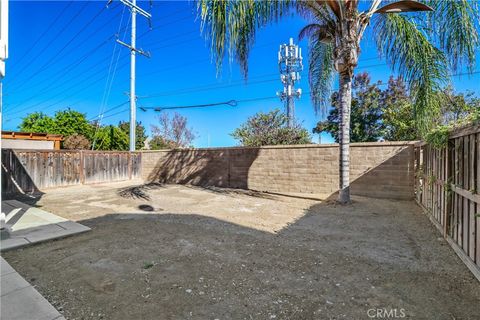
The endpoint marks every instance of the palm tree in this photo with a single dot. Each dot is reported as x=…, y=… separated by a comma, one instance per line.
x=422, y=48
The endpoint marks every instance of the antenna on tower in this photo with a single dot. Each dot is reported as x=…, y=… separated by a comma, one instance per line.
x=290, y=65
x=134, y=9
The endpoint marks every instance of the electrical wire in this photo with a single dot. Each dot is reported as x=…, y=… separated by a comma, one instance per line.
x=66, y=71
x=59, y=52
x=231, y=103
x=49, y=44
x=110, y=109
x=45, y=32
x=236, y=102
x=108, y=86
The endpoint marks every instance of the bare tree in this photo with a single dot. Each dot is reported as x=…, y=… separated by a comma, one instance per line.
x=172, y=132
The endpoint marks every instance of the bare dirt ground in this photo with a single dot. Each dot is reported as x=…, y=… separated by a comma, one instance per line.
x=179, y=252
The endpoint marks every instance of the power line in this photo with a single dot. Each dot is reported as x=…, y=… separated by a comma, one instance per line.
x=108, y=110
x=71, y=67
x=464, y=74
x=64, y=99
x=168, y=93
x=202, y=88
x=160, y=26
x=59, y=52
x=208, y=59
x=67, y=69
x=216, y=86
x=90, y=35
x=108, y=86
x=55, y=38
x=174, y=37
x=238, y=101
x=175, y=67
x=231, y=103
x=54, y=21
x=81, y=80
x=117, y=113
x=212, y=88
x=168, y=15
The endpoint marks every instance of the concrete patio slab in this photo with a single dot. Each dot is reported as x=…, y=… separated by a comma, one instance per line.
x=21, y=301
x=28, y=225
x=13, y=243
x=23, y=216
x=12, y=282
x=5, y=268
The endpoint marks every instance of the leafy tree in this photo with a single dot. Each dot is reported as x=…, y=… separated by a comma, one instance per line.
x=111, y=138
x=172, y=131
x=319, y=128
x=37, y=122
x=270, y=129
x=335, y=33
x=65, y=122
x=455, y=107
x=396, y=122
x=158, y=143
x=398, y=110
x=140, y=133
x=366, y=113
x=76, y=142
x=68, y=122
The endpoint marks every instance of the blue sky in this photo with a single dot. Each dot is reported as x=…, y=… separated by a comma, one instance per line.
x=58, y=63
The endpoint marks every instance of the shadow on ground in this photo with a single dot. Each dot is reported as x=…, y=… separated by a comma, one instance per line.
x=336, y=262
x=139, y=191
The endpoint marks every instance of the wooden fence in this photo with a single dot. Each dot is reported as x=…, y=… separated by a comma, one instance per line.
x=448, y=188
x=28, y=171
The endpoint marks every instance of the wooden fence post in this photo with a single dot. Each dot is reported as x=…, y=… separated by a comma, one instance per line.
x=129, y=157
x=447, y=190
x=82, y=167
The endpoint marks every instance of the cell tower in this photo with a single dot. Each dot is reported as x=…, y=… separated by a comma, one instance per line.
x=290, y=65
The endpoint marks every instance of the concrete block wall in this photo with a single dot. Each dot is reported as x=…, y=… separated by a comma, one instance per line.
x=379, y=169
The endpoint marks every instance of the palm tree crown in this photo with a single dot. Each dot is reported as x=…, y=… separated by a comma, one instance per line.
x=422, y=47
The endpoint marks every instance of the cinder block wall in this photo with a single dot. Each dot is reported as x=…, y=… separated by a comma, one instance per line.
x=380, y=169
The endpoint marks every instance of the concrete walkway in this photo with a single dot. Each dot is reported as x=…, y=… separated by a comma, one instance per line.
x=20, y=301
x=27, y=225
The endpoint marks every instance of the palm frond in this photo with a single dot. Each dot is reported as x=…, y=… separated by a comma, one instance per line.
x=231, y=26
x=320, y=73
x=456, y=25
x=322, y=32
x=409, y=52
x=336, y=7
x=213, y=15
x=317, y=11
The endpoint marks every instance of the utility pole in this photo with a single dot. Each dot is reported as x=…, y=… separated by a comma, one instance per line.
x=290, y=65
x=3, y=46
x=3, y=56
x=134, y=9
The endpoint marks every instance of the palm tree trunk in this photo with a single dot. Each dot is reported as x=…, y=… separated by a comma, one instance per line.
x=345, y=92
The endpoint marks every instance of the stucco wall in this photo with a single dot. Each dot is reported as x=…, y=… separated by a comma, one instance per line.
x=383, y=170
x=27, y=144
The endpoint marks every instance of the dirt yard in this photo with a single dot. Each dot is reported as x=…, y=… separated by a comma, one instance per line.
x=179, y=252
